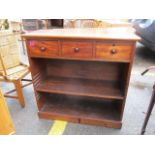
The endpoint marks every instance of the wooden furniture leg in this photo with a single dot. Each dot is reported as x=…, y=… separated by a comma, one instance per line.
x=19, y=91
x=149, y=111
x=6, y=123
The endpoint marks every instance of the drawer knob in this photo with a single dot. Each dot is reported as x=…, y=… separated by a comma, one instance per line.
x=113, y=51
x=76, y=49
x=43, y=49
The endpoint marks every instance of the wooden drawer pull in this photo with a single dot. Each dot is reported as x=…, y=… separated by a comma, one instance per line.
x=76, y=49
x=113, y=51
x=43, y=49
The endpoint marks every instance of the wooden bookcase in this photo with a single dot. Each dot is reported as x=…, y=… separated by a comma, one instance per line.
x=81, y=75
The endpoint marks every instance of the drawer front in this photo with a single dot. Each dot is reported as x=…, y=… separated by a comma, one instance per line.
x=43, y=48
x=113, y=51
x=77, y=49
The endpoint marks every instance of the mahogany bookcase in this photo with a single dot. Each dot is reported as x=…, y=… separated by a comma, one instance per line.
x=81, y=75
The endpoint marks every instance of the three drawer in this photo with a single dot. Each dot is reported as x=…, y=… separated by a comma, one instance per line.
x=77, y=49
x=43, y=48
x=115, y=51
x=81, y=49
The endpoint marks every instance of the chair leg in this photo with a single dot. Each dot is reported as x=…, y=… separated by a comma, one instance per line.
x=19, y=91
x=148, y=111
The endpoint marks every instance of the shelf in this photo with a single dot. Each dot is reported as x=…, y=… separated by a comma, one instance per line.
x=80, y=110
x=80, y=59
x=81, y=87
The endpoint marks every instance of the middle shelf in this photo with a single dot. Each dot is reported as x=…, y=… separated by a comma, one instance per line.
x=81, y=87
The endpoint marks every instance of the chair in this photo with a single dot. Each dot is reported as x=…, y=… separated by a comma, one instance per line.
x=89, y=23
x=11, y=68
x=151, y=104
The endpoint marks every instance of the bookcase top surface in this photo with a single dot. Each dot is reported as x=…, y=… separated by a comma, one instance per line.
x=86, y=33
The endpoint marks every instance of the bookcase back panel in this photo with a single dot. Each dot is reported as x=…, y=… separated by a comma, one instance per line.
x=85, y=70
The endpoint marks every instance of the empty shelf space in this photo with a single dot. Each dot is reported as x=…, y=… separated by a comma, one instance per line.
x=79, y=110
x=81, y=87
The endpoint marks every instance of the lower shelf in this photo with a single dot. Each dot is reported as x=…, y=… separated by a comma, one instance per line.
x=84, y=111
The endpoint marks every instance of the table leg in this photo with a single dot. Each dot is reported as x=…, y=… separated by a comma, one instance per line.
x=149, y=111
